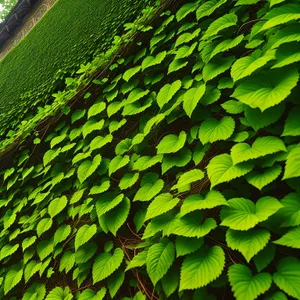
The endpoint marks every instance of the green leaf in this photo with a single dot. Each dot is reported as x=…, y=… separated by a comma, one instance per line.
x=161, y=204
x=167, y=92
x=292, y=165
x=191, y=225
x=221, y=23
x=62, y=233
x=160, y=258
x=146, y=162
x=8, y=250
x=290, y=213
x=243, y=214
x=100, y=141
x=96, y=109
x=44, y=225
x=84, y=234
x=59, y=294
x=287, y=55
x=91, y=126
x=151, y=61
x=201, y=268
x=89, y=294
x=249, y=242
x=244, y=285
x=135, y=95
x=264, y=257
x=177, y=64
x=216, y=67
x=187, y=178
x=221, y=169
x=12, y=277
x=197, y=202
x=170, y=281
x=128, y=180
x=114, y=282
x=27, y=242
x=261, y=147
x=179, y=159
x=77, y=115
x=106, y=264
x=233, y=107
x=261, y=179
x=257, y=119
x=123, y=146
x=50, y=155
x=281, y=15
x=151, y=185
x=138, y=260
x=187, y=245
x=287, y=277
x=87, y=168
x=245, y=66
x=117, y=163
x=36, y=291
x=267, y=89
x=212, y=130
x=207, y=8
x=67, y=261
x=292, y=123
x=57, y=205
x=131, y=72
x=115, y=218
x=290, y=239
x=171, y=143
x=85, y=252
x=192, y=97
x=107, y=202
x=185, y=10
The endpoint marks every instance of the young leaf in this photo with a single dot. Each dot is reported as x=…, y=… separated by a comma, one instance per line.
x=87, y=168
x=207, y=8
x=12, y=277
x=201, y=268
x=187, y=178
x=292, y=167
x=117, y=163
x=167, y=92
x=192, y=97
x=57, y=205
x=138, y=260
x=171, y=143
x=184, y=245
x=185, y=10
x=84, y=234
x=290, y=239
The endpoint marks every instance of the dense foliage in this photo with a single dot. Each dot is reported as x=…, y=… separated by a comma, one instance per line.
x=5, y=8
x=177, y=178
x=56, y=46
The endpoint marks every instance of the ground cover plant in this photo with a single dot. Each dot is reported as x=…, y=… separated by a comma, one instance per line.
x=177, y=177
x=57, y=46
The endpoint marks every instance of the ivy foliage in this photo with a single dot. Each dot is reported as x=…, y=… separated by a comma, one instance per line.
x=177, y=178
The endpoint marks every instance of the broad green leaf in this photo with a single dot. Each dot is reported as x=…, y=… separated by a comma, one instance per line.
x=117, y=163
x=262, y=146
x=123, y=146
x=292, y=123
x=85, y=252
x=243, y=214
x=145, y=162
x=62, y=233
x=207, y=8
x=91, y=125
x=151, y=185
x=138, y=260
x=107, y=202
x=160, y=258
x=77, y=115
x=281, y=15
x=59, y=294
x=50, y=155
x=249, y=242
x=221, y=23
x=12, y=277
x=128, y=180
x=187, y=178
x=290, y=239
x=201, y=268
x=287, y=277
x=185, y=245
x=221, y=169
x=131, y=72
x=170, y=281
x=116, y=217
x=171, y=143
x=67, y=261
x=287, y=55
x=233, y=107
x=27, y=242
x=135, y=95
x=44, y=225
x=84, y=234
x=89, y=294
x=261, y=179
x=87, y=168
x=197, y=202
x=186, y=37
x=244, y=285
x=150, y=61
x=192, y=97
x=177, y=64
x=267, y=89
x=8, y=250
x=212, y=130
x=57, y=205
x=161, y=204
x=245, y=66
x=106, y=264
x=264, y=257
x=292, y=165
x=290, y=213
x=36, y=291
x=45, y=248
x=114, y=282
x=257, y=119
x=167, y=92
x=100, y=141
x=185, y=10
x=179, y=159
x=96, y=109
x=185, y=51
x=216, y=67
x=191, y=225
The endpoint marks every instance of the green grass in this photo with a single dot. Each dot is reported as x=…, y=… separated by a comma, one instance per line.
x=67, y=36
